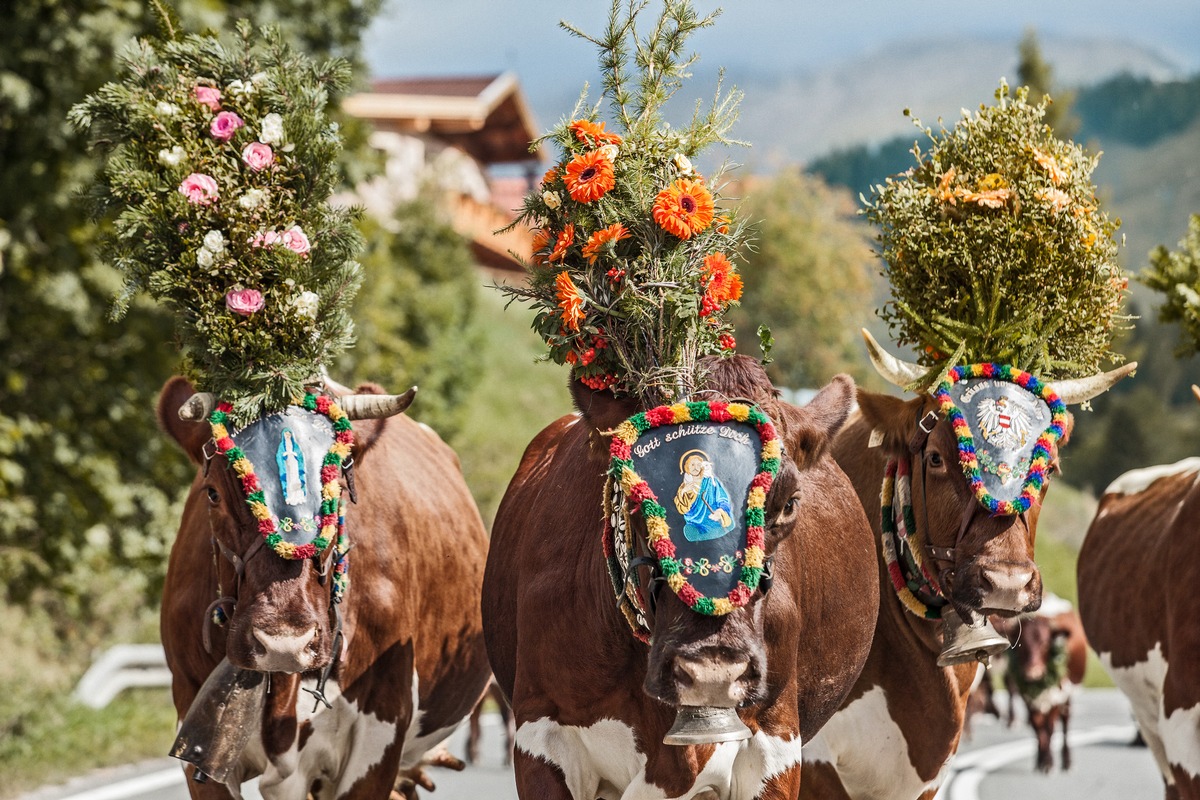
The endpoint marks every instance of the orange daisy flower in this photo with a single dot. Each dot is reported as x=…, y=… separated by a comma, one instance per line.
x=1050, y=164
x=585, y=129
x=724, y=284
x=565, y=239
x=541, y=241
x=550, y=177
x=589, y=176
x=596, y=242
x=684, y=208
x=569, y=301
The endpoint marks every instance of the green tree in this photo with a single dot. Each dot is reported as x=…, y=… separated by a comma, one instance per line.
x=87, y=483
x=809, y=279
x=415, y=318
x=1037, y=73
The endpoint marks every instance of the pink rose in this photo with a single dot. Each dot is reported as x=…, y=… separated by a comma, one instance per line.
x=224, y=125
x=199, y=189
x=208, y=96
x=295, y=240
x=258, y=156
x=244, y=301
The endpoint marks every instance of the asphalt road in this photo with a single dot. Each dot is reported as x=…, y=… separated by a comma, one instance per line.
x=996, y=763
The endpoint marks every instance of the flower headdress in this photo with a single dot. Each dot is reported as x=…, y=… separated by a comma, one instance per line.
x=631, y=270
x=996, y=248
x=221, y=167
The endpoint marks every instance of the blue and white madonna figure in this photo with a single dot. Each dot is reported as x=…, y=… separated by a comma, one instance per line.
x=702, y=499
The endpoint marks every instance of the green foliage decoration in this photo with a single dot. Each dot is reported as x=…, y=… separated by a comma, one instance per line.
x=632, y=269
x=221, y=164
x=996, y=248
x=1177, y=275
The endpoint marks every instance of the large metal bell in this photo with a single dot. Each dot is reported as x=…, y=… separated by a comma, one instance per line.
x=706, y=725
x=220, y=721
x=963, y=643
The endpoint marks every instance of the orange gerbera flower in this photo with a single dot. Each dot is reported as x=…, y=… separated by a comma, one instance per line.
x=550, y=177
x=541, y=242
x=723, y=283
x=684, y=208
x=597, y=241
x=569, y=301
x=585, y=130
x=565, y=239
x=589, y=176
x=1050, y=164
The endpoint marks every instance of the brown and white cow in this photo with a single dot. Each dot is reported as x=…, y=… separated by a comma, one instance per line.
x=900, y=726
x=1138, y=571
x=1044, y=667
x=593, y=703
x=413, y=661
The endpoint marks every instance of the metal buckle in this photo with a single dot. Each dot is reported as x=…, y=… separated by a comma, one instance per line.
x=930, y=416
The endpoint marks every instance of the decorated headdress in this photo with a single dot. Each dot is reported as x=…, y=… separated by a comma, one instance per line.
x=632, y=266
x=221, y=165
x=1003, y=273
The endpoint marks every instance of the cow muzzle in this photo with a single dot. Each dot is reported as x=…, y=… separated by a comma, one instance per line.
x=1009, y=589
x=284, y=650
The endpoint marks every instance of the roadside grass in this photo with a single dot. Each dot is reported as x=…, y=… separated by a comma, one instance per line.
x=514, y=399
x=1065, y=518
x=50, y=738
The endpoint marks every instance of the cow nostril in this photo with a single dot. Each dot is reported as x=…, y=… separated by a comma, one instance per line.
x=683, y=676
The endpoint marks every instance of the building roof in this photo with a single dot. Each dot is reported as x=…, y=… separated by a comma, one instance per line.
x=486, y=116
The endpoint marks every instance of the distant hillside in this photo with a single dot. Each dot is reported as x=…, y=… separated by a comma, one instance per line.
x=796, y=118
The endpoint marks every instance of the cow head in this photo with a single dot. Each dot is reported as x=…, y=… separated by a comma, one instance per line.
x=721, y=661
x=984, y=563
x=281, y=611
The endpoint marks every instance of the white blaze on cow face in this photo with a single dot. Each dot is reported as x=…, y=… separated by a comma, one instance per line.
x=602, y=761
x=868, y=750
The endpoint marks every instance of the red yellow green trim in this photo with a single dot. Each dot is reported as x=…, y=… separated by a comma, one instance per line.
x=1039, y=469
x=331, y=466
x=639, y=493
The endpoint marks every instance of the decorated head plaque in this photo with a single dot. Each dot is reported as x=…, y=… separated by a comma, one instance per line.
x=698, y=473
x=289, y=465
x=1006, y=422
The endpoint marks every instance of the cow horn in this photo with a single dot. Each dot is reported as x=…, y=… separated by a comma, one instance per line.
x=1196, y=392
x=198, y=407
x=376, y=406
x=892, y=369
x=1079, y=390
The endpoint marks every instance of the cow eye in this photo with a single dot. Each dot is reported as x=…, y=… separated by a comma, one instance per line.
x=214, y=496
x=935, y=459
x=792, y=505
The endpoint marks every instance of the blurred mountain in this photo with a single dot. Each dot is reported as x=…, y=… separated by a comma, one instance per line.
x=794, y=118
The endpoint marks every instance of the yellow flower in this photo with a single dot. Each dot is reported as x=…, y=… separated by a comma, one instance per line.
x=739, y=411
x=757, y=497
x=754, y=556
x=681, y=412
x=1048, y=163
x=721, y=606
x=260, y=511
x=1057, y=199
x=772, y=449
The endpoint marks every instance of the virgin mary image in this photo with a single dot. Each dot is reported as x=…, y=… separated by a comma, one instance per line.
x=702, y=499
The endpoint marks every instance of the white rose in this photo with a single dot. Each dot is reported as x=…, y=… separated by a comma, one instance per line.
x=214, y=241
x=173, y=157
x=683, y=163
x=241, y=88
x=552, y=200
x=204, y=257
x=271, y=131
x=252, y=198
x=306, y=304
x=165, y=109
x=610, y=151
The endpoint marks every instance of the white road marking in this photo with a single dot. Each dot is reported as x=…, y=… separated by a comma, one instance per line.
x=968, y=770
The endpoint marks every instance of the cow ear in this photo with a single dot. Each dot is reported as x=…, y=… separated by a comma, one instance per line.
x=813, y=427
x=891, y=418
x=192, y=436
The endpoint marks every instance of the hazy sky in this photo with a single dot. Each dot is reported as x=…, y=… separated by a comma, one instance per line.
x=761, y=37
